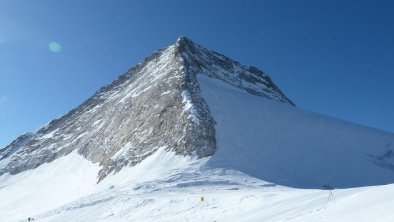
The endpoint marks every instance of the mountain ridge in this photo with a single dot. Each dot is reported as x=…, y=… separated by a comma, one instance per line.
x=115, y=128
x=191, y=134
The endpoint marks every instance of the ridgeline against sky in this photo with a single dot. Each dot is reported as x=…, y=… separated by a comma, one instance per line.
x=332, y=57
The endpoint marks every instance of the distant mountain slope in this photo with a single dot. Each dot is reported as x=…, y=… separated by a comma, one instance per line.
x=294, y=147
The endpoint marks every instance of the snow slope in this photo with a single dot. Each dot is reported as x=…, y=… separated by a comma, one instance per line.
x=72, y=177
x=51, y=185
x=293, y=147
x=223, y=204
x=169, y=187
x=173, y=191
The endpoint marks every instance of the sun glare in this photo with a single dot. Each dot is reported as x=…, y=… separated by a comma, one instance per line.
x=55, y=47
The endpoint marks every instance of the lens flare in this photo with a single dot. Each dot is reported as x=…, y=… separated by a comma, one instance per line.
x=55, y=47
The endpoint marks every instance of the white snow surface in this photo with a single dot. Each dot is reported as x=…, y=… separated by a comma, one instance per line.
x=290, y=146
x=48, y=186
x=189, y=107
x=248, y=179
x=167, y=187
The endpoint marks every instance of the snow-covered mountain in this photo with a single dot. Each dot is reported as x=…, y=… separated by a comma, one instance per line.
x=189, y=122
x=155, y=104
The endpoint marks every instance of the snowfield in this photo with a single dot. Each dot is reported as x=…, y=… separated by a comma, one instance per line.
x=172, y=192
x=265, y=149
x=293, y=147
x=49, y=186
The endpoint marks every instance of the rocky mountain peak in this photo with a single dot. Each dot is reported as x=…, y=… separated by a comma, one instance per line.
x=183, y=41
x=156, y=104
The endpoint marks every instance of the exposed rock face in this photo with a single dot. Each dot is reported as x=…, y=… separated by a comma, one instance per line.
x=203, y=61
x=155, y=104
x=15, y=146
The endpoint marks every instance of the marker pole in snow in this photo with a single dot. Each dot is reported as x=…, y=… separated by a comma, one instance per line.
x=330, y=194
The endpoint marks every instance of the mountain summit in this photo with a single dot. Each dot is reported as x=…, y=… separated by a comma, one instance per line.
x=190, y=134
x=155, y=104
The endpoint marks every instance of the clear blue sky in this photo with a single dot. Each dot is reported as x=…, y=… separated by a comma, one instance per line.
x=332, y=57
